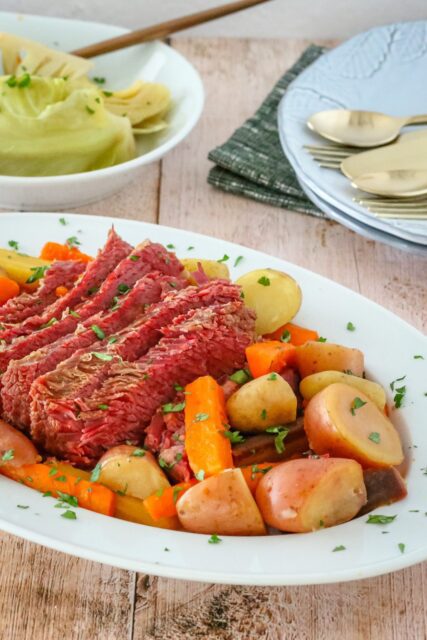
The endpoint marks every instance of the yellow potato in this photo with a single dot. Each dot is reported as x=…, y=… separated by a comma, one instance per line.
x=344, y=422
x=313, y=357
x=274, y=295
x=132, y=471
x=212, y=268
x=19, y=267
x=307, y=494
x=311, y=385
x=222, y=504
x=262, y=403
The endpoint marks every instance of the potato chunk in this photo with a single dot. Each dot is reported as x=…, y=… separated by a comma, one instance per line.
x=343, y=421
x=274, y=295
x=16, y=449
x=261, y=403
x=222, y=504
x=19, y=267
x=212, y=268
x=132, y=471
x=313, y=357
x=307, y=494
x=311, y=385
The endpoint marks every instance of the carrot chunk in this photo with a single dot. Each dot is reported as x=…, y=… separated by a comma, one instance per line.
x=208, y=450
x=294, y=334
x=266, y=357
x=254, y=472
x=162, y=504
x=56, y=251
x=61, y=291
x=8, y=289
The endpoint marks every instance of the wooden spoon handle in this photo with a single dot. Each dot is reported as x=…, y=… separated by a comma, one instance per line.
x=164, y=29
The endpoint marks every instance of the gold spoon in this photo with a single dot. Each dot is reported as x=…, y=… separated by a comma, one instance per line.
x=360, y=128
x=402, y=183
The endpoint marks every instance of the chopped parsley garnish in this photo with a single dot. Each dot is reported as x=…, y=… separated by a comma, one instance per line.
x=103, y=407
x=175, y=494
x=134, y=258
x=417, y=357
x=349, y=372
x=375, y=437
x=115, y=304
x=138, y=453
x=74, y=314
x=13, y=245
x=122, y=492
x=23, y=506
x=379, y=519
x=53, y=471
x=24, y=81
x=98, y=331
x=238, y=260
x=69, y=515
x=166, y=549
x=401, y=547
x=224, y=258
x=178, y=457
x=320, y=339
x=106, y=357
x=112, y=340
x=190, y=248
x=272, y=376
x=201, y=417
x=200, y=475
x=350, y=326
x=48, y=324
x=38, y=272
x=107, y=94
x=72, y=241
x=12, y=81
x=399, y=396
x=178, y=387
x=392, y=384
x=92, y=290
x=241, y=376
x=164, y=465
x=173, y=408
x=263, y=414
x=170, y=246
x=160, y=492
x=214, y=539
x=123, y=288
x=72, y=501
x=8, y=455
x=234, y=436
x=63, y=222
x=286, y=336
x=99, y=80
x=90, y=110
x=255, y=469
x=356, y=404
x=61, y=479
x=340, y=547
x=47, y=494
x=264, y=281
x=281, y=433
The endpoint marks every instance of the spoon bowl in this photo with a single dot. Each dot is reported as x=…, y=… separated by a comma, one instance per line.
x=402, y=183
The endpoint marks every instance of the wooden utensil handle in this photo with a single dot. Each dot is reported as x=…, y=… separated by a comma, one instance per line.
x=164, y=29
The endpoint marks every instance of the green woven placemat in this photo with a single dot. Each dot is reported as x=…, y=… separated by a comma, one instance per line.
x=252, y=163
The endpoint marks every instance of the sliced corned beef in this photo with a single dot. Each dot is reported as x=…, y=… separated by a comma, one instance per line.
x=81, y=375
x=25, y=305
x=145, y=258
x=20, y=374
x=208, y=340
x=94, y=275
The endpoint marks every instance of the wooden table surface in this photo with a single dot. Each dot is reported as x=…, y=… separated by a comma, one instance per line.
x=45, y=595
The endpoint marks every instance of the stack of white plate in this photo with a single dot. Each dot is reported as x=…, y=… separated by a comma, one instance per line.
x=383, y=70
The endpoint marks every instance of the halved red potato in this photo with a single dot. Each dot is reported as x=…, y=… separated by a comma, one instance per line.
x=308, y=494
x=222, y=504
x=343, y=421
x=311, y=385
x=132, y=471
x=313, y=357
x=15, y=448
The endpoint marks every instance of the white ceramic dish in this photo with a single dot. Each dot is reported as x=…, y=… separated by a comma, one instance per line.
x=363, y=229
x=380, y=70
x=153, y=62
x=291, y=559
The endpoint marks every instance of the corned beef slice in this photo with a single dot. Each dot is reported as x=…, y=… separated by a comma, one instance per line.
x=21, y=374
x=118, y=282
x=27, y=304
x=94, y=275
x=61, y=391
x=208, y=340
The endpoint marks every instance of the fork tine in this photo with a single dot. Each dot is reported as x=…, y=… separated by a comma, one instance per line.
x=402, y=216
x=338, y=150
x=328, y=165
x=390, y=201
x=401, y=206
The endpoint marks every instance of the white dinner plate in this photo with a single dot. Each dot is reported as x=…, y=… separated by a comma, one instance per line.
x=389, y=345
x=152, y=62
x=380, y=70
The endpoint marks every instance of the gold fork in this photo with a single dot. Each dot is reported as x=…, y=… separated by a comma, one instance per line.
x=328, y=156
x=407, y=209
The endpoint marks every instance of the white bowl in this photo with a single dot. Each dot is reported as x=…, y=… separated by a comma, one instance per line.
x=153, y=61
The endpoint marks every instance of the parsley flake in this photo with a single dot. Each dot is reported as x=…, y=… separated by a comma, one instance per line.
x=23, y=506
x=375, y=437
x=350, y=326
x=8, y=455
x=201, y=417
x=241, y=376
x=69, y=515
x=234, y=436
x=105, y=357
x=173, y=408
x=286, y=336
x=63, y=222
x=320, y=339
x=224, y=258
x=38, y=272
x=264, y=281
x=99, y=80
x=417, y=357
x=238, y=260
x=272, y=376
x=134, y=258
x=340, y=547
x=200, y=475
x=175, y=493
x=214, y=539
x=281, y=433
x=138, y=453
x=98, y=331
x=357, y=403
x=13, y=245
x=103, y=407
x=123, y=288
x=72, y=241
x=90, y=110
x=380, y=519
x=401, y=547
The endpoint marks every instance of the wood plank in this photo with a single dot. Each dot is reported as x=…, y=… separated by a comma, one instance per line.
x=389, y=606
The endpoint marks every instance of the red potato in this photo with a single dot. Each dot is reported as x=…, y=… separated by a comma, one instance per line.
x=308, y=494
x=222, y=504
x=333, y=425
x=313, y=357
x=15, y=448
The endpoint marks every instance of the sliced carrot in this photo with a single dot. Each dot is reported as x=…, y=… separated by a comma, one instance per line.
x=61, y=291
x=272, y=355
x=8, y=289
x=48, y=478
x=163, y=503
x=253, y=473
x=207, y=448
x=297, y=335
x=57, y=251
